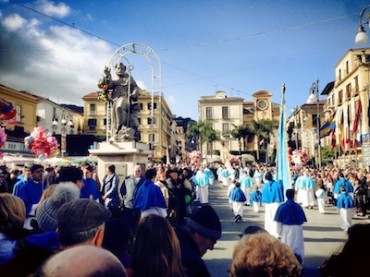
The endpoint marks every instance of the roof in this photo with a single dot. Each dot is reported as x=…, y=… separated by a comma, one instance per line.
x=328, y=88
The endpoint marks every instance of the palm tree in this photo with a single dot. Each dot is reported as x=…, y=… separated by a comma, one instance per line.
x=263, y=129
x=203, y=132
x=244, y=134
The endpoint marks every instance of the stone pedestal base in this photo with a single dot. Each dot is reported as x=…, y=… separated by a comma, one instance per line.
x=124, y=155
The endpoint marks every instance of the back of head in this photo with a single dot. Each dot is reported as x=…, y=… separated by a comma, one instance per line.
x=290, y=193
x=263, y=255
x=150, y=173
x=268, y=176
x=85, y=260
x=70, y=174
x=206, y=222
x=79, y=220
x=46, y=213
x=156, y=250
x=12, y=214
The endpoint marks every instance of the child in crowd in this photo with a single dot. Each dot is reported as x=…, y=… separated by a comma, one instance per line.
x=238, y=199
x=246, y=183
x=345, y=204
x=256, y=197
x=321, y=198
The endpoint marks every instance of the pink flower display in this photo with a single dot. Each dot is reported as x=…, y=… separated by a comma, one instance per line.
x=7, y=114
x=42, y=143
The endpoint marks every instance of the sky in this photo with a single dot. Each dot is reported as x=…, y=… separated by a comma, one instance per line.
x=58, y=49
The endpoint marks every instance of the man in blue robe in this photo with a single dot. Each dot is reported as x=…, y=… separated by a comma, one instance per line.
x=291, y=217
x=272, y=196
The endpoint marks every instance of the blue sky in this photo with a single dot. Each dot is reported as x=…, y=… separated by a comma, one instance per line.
x=239, y=46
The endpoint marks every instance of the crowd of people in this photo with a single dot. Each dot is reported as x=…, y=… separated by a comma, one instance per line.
x=158, y=220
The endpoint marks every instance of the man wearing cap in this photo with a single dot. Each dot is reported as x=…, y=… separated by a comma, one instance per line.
x=200, y=233
x=31, y=193
x=81, y=222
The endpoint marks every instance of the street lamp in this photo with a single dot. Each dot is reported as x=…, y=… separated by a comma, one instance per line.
x=312, y=99
x=361, y=36
x=64, y=123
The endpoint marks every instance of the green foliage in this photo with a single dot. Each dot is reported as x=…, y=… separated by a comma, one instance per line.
x=216, y=152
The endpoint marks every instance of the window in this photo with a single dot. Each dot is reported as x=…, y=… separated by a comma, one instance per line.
x=357, y=90
x=314, y=120
x=18, y=115
x=91, y=122
x=92, y=109
x=151, y=137
x=208, y=113
x=340, y=74
x=141, y=106
x=150, y=106
x=225, y=130
x=340, y=97
x=348, y=91
x=139, y=120
x=150, y=120
x=347, y=67
x=225, y=112
x=54, y=113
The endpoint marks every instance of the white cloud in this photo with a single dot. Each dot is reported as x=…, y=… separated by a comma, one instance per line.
x=60, y=63
x=50, y=8
x=14, y=22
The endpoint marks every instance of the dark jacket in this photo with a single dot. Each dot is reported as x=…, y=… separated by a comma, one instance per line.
x=190, y=256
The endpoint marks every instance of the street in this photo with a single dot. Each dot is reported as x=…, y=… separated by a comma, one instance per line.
x=322, y=234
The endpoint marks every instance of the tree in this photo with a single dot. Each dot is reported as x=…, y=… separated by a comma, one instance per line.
x=263, y=128
x=244, y=134
x=203, y=132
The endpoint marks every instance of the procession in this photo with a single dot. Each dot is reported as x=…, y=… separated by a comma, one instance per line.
x=101, y=176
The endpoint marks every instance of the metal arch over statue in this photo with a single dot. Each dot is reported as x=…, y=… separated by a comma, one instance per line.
x=122, y=93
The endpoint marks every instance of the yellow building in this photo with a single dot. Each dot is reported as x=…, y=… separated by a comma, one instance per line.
x=226, y=113
x=25, y=105
x=155, y=124
x=350, y=101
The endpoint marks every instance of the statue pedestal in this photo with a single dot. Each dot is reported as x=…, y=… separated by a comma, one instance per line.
x=124, y=155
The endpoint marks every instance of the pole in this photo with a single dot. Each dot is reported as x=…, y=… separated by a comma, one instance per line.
x=318, y=124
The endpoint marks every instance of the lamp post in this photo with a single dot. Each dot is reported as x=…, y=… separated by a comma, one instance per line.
x=314, y=97
x=363, y=19
x=63, y=124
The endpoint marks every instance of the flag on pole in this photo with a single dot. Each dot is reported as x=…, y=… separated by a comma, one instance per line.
x=282, y=160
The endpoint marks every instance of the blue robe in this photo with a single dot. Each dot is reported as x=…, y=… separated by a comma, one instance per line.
x=256, y=196
x=90, y=187
x=273, y=192
x=343, y=182
x=290, y=213
x=237, y=195
x=345, y=201
x=149, y=195
x=31, y=193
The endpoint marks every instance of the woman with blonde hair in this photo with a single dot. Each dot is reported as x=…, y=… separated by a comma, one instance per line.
x=262, y=254
x=12, y=217
x=156, y=250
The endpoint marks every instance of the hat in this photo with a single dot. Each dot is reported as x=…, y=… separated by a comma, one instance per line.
x=70, y=174
x=206, y=222
x=81, y=215
x=46, y=213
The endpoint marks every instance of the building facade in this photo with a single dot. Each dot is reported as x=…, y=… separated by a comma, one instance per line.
x=227, y=113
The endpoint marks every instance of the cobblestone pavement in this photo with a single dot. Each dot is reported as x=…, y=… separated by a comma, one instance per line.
x=322, y=234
